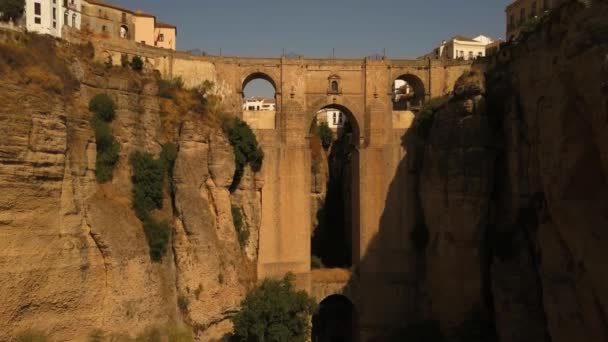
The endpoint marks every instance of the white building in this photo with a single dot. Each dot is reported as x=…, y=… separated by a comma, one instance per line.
x=335, y=119
x=259, y=103
x=460, y=47
x=49, y=16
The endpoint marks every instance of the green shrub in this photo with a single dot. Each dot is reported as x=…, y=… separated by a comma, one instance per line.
x=325, y=134
x=108, y=148
x=158, y=235
x=274, y=311
x=147, y=179
x=316, y=262
x=11, y=9
x=168, y=156
x=137, y=63
x=167, y=88
x=103, y=107
x=242, y=232
x=245, y=147
x=31, y=336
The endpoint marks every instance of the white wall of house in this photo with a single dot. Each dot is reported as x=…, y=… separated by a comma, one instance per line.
x=49, y=16
x=335, y=119
x=253, y=104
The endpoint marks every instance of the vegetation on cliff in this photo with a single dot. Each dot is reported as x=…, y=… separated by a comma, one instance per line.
x=108, y=148
x=148, y=180
x=274, y=311
x=245, y=147
x=242, y=232
x=11, y=9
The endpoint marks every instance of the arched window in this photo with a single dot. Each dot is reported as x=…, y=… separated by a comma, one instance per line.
x=334, y=86
x=124, y=32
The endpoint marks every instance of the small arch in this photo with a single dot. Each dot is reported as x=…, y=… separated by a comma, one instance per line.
x=408, y=93
x=259, y=101
x=258, y=75
x=333, y=86
x=335, y=321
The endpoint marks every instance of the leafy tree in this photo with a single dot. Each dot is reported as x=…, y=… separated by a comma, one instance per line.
x=103, y=106
x=275, y=311
x=137, y=63
x=11, y=9
x=246, y=149
x=325, y=134
x=148, y=177
x=108, y=148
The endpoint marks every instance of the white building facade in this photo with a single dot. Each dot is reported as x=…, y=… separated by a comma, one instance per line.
x=334, y=118
x=49, y=16
x=259, y=103
x=460, y=47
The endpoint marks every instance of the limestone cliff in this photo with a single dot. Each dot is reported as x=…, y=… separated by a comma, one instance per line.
x=513, y=188
x=73, y=255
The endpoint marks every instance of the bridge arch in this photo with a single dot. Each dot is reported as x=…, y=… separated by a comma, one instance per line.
x=259, y=109
x=335, y=187
x=408, y=92
x=258, y=75
x=335, y=321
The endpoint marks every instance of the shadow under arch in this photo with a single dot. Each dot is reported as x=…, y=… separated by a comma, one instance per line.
x=336, y=235
x=335, y=321
x=411, y=95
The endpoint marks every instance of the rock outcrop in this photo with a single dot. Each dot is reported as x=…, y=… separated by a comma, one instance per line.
x=73, y=255
x=513, y=185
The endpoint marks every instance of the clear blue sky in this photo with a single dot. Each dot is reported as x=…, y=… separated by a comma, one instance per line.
x=355, y=28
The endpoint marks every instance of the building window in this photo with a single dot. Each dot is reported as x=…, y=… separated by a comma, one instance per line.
x=334, y=86
x=54, y=24
x=143, y=42
x=54, y=13
x=480, y=54
x=124, y=32
x=37, y=9
x=470, y=54
x=161, y=37
x=65, y=18
x=37, y=20
x=103, y=28
x=74, y=20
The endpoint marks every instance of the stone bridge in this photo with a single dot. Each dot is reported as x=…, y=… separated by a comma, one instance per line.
x=381, y=283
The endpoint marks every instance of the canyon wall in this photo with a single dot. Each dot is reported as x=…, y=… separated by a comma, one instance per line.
x=73, y=254
x=513, y=188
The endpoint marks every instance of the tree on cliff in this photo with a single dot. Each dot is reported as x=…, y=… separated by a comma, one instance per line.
x=274, y=311
x=11, y=9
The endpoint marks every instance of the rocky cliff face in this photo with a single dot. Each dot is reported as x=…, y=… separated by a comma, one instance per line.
x=73, y=255
x=513, y=186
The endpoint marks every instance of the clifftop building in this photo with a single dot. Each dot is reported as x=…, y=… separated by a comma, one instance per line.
x=49, y=16
x=99, y=18
x=461, y=47
x=110, y=21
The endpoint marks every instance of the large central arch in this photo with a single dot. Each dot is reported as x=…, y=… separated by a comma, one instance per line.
x=335, y=231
